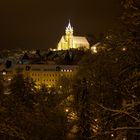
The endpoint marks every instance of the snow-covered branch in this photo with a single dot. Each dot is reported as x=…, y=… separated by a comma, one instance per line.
x=119, y=111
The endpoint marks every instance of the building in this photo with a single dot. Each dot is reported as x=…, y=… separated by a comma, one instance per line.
x=47, y=75
x=69, y=41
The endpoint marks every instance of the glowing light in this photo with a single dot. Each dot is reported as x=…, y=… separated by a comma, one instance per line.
x=67, y=110
x=94, y=49
x=112, y=135
x=32, y=89
x=96, y=120
x=9, y=79
x=3, y=73
x=123, y=49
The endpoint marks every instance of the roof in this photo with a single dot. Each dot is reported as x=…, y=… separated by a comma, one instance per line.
x=80, y=40
x=39, y=67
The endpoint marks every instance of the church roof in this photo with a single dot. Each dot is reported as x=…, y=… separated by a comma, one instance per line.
x=80, y=40
x=62, y=38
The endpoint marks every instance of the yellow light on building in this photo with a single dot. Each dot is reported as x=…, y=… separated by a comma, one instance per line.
x=69, y=41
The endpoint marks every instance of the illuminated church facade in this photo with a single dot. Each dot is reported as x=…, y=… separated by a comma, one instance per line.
x=69, y=41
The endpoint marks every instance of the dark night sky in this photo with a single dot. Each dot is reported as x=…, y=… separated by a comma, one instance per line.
x=41, y=23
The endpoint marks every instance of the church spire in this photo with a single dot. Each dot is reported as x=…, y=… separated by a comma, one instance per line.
x=69, y=28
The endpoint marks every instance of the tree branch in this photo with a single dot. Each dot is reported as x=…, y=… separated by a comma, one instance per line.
x=119, y=111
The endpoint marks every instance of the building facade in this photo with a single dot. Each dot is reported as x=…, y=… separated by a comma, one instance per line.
x=69, y=41
x=48, y=75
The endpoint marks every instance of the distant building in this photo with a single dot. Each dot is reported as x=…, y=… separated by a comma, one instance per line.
x=98, y=47
x=48, y=75
x=69, y=41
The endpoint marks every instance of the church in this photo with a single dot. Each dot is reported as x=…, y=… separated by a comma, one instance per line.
x=69, y=41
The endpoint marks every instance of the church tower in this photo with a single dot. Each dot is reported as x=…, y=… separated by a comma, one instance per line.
x=69, y=35
x=69, y=41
